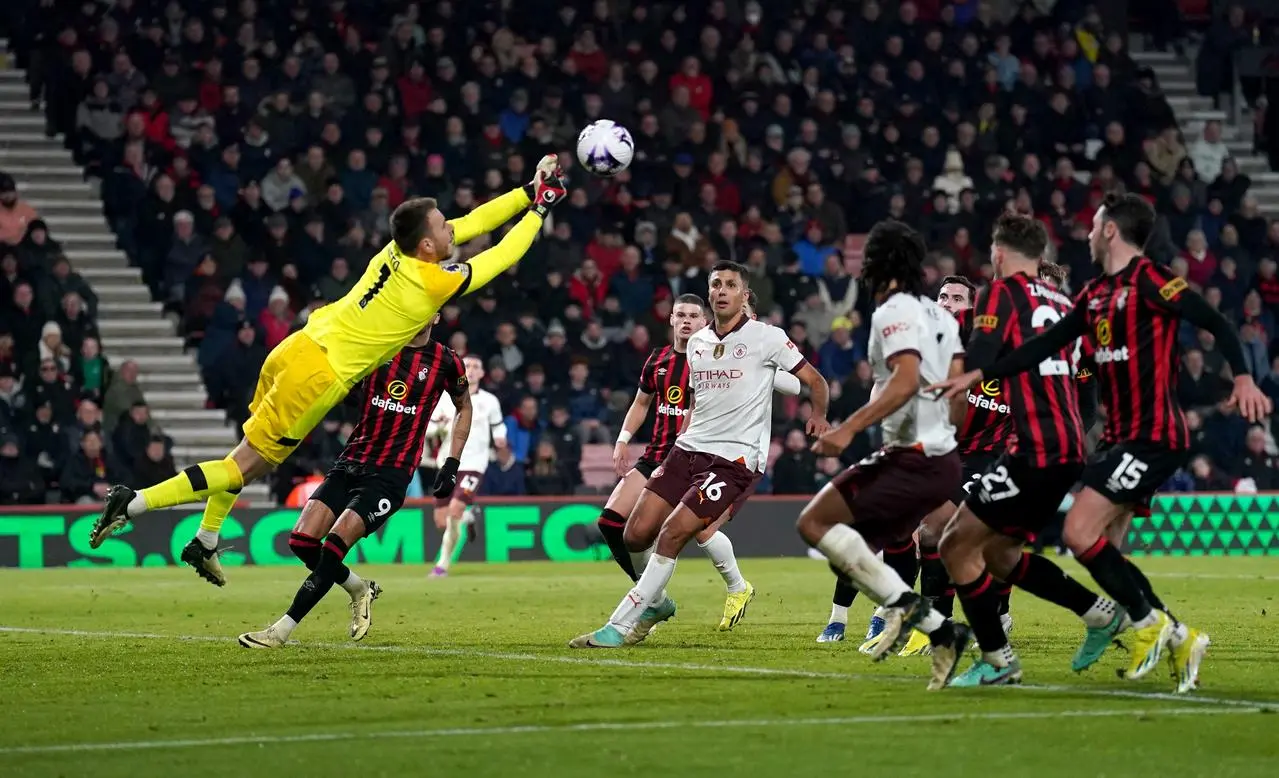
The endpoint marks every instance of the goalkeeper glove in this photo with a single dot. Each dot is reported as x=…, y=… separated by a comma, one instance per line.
x=547, y=194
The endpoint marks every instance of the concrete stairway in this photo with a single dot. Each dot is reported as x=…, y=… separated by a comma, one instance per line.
x=131, y=323
x=1177, y=78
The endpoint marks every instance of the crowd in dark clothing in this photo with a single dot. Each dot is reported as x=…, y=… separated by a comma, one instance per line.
x=250, y=154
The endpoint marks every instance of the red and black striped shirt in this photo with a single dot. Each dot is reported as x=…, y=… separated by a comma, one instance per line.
x=665, y=377
x=987, y=426
x=1044, y=400
x=1131, y=321
x=399, y=398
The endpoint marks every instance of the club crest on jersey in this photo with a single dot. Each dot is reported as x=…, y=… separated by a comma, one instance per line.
x=739, y=351
x=397, y=390
x=1104, y=335
x=421, y=374
x=675, y=395
x=719, y=350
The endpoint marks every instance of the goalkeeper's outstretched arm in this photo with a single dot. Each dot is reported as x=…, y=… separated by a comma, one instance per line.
x=489, y=216
x=491, y=263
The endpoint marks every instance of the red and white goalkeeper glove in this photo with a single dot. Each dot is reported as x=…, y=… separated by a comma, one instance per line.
x=547, y=193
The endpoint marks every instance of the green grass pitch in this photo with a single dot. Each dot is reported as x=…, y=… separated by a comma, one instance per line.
x=137, y=673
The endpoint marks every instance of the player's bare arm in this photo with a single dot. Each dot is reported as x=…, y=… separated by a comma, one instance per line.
x=819, y=394
x=635, y=416
x=902, y=385
x=461, y=424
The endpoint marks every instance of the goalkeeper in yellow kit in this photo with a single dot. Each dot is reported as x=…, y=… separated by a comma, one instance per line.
x=313, y=369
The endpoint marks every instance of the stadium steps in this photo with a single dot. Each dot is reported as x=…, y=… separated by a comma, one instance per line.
x=131, y=324
x=1177, y=78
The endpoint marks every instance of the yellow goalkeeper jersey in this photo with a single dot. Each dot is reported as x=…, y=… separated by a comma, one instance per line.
x=398, y=295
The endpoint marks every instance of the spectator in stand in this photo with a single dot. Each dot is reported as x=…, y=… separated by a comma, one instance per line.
x=561, y=433
x=505, y=476
x=1209, y=152
x=839, y=355
x=155, y=465
x=90, y=371
x=47, y=384
x=547, y=475
x=15, y=214
x=20, y=480
x=1200, y=262
x=277, y=320
x=1206, y=476
x=1258, y=463
x=46, y=445
x=795, y=470
x=122, y=393
x=133, y=434
x=61, y=281
x=90, y=471
x=523, y=428
x=587, y=409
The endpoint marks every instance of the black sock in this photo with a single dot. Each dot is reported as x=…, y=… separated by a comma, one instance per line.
x=328, y=571
x=612, y=525
x=1112, y=573
x=934, y=581
x=1146, y=589
x=845, y=591
x=905, y=561
x=306, y=548
x=1043, y=578
x=981, y=606
x=1005, y=593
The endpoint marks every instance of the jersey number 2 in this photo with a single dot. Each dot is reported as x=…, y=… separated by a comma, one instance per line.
x=1042, y=318
x=383, y=276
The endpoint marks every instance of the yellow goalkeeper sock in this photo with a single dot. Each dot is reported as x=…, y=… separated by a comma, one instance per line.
x=217, y=509
x=196, y=483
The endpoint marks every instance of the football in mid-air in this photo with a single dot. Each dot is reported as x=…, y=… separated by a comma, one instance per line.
x=605, y=148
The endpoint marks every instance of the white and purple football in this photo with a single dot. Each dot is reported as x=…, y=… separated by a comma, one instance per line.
x=605, y=148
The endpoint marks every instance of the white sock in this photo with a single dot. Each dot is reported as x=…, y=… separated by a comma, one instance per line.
x=448, y=543
x=136, y=506
x=931, y=622
x=1100, y=614
x=838, y=614
x=639, y=559
x=880, y=610
x=846, y=549
x=650, y=589
x=1001, y=658
x=207, y=537
x=354, y=585
x=1151, y=619
x=284, y=627
x=720, y=549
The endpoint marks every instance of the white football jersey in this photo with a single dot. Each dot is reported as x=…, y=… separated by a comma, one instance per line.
x=906, y=323
x=487, y=426
x=731, y=379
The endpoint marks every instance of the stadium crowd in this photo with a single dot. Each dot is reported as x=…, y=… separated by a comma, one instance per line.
x=250, y=153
